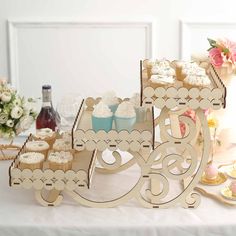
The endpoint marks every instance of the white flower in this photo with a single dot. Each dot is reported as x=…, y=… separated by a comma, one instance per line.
x=25, y=122
x=17, y=102
x=10, y=123
x=3, y=117
x=16, y=112
x=6, y=97
x=29, y=107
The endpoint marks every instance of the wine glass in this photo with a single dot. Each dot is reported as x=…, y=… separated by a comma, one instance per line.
x=67, y=108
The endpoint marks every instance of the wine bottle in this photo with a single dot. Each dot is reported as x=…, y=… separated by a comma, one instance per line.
x=48, y=117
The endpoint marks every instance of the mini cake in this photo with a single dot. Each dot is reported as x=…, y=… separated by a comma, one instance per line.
x=45, y=134
x=37, y=146
x=125, y=116
x=183, y=69
x=211, y=172
x=232, y=188
x=111, y=100
x=162, y=81
x=150, y=65
x=140, y=111
x=162, y=74
x=196, y=81
x=60, y=160
x=102, y=117
x=62, y=145
x=31, y=160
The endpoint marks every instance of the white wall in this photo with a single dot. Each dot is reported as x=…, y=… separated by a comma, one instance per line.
x=167, y=35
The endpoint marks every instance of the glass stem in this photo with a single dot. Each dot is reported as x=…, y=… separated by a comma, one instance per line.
x=213, y=144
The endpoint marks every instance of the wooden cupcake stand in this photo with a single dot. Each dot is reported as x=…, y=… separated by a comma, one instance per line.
x=167, y=161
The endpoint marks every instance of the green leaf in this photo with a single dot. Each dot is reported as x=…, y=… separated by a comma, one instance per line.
x=225, y=50
x=209, y=49
x=212, y=42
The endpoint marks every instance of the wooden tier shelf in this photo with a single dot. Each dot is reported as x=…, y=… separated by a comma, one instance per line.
x=84, y=138
x=177, y=95
x=165, y=163
x=79, y=176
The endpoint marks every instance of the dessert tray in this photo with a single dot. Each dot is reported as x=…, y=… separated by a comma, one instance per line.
x=165, y=157
x=219, y=188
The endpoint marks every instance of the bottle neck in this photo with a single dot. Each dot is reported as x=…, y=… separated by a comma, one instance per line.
x=47, y=98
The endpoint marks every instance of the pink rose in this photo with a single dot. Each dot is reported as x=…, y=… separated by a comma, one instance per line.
x=216, y=57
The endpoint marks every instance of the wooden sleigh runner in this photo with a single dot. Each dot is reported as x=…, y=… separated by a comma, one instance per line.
x=167, y=159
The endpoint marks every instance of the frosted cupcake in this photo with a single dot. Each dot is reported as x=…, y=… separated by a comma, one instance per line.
x=162, y=80
x=140, y=111
x=180, y=66
x=62, y=145
x=102, y=117
x=111, y=100
x=196, y=81
x=211, y=172
x=37, y=146
x=60, y=160
x=45, y=134
x=125, y=116
x=31, y=160
x=162, y=74
x=183, y=69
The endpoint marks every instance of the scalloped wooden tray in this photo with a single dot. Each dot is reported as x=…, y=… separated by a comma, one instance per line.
x=80, y=175
x=178, y=96
x=84, y=138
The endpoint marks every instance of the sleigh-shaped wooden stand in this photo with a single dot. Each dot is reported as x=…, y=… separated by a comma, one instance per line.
x=167, y=158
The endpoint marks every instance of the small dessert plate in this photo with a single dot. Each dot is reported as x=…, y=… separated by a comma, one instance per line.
x=227, y=193
x=231, y=172
x=220, y=179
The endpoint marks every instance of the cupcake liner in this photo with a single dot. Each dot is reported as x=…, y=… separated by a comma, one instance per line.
x=60, y=166
x=102, y=123
x=124, y=123
x=31, y=166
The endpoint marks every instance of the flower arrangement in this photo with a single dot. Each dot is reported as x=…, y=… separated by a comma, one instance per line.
x=16, y=113
x=221, y=52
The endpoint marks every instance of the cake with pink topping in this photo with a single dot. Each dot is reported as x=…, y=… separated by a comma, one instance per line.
x=232, y=188
x=211, y=172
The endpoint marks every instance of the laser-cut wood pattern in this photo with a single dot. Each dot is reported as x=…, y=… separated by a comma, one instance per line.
x=165, y=162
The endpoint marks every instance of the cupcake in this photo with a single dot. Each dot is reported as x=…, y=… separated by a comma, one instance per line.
x=211, y=172
x=151, y=66
x=111, y=100
x=62, y=145
x=163, y=75
x=183, y=69
x=125, y=116
x=181, y=66
x=162, y=80
x=197, y=81
x=140, y=111
x=232, y=188
x=37, y=146
x=102, y=117
x=31, y=160
x=60, y=160
x=45, y=134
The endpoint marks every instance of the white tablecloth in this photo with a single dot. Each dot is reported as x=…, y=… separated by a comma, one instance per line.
x=20, y=214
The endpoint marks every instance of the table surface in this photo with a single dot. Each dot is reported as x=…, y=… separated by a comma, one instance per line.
x=20, y=214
